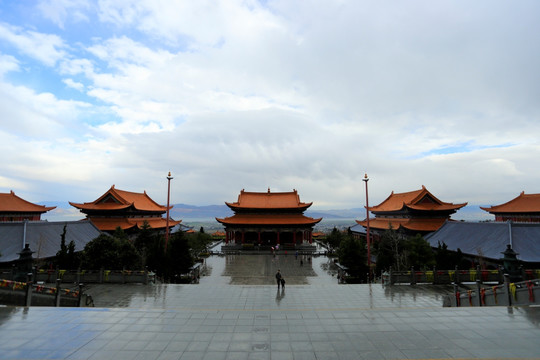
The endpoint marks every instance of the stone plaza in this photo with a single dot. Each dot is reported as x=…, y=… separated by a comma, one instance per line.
x=237, y=312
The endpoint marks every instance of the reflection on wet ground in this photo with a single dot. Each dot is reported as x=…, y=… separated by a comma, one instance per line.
x=261, y=269
x=240, y=281
x=227, y=317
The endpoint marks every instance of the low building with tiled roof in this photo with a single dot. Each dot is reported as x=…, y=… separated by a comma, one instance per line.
x=269, y=218
x=125, y=209
x=411, y=212
x=524, y=208
x=14, y=208
x=43, y=237
x=487, y=241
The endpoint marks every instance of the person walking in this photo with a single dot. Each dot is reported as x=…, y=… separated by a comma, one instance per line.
x=278, y=278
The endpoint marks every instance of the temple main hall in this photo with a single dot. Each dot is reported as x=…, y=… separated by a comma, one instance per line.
x=126, y=210
x=411, y=213
x=267, y=219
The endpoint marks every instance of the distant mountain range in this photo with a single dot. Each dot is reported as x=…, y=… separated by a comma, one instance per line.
x=192, y=212
x=184, y=211
x=64, y=212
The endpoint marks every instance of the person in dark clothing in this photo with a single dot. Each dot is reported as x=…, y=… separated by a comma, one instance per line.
x=278, y=278
x=283, y=283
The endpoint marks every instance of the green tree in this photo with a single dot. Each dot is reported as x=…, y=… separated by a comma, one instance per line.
x=178, y=257
x=120, y=234
x=333, y=240
x=61, y=255
x=198, y=242
x=389, y=251
x=447, y=260
x=444, y=258
x=66, y=258
x=171, y=264
x=155, y=257
x=352, y=254
x=111, y=253
x=144, y=242
x=419, y=253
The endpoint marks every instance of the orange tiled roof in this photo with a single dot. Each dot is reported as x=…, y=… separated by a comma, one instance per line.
x=110, y=224
x=115, y=199
x=417, y=200
x=218, y=233
x=268, y=200
x=409, y=224
x=9, y=202
x=524, y=203
x=269, y=219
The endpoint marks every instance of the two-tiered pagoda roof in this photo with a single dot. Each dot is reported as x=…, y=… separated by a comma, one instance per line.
x=268, y=219
x=268, y=208
x=125, y=209
x=414, y=211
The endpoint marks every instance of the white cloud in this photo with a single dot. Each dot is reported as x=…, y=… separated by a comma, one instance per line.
x=61, y=11
x=46, y=48
x=26, y=113
x=8, y=63
x=192, y=24
x=74, y=84
x=241, y=94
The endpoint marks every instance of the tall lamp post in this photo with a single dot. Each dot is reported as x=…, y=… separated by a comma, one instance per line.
x=366, y=179
x=169, y=178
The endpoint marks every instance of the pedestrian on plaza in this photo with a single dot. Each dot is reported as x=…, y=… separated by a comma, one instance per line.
x=301, y=262
x=278, y=278
x=296, y=255
x=283, y=283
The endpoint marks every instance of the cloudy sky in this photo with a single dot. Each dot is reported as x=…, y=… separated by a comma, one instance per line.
x=307, y=95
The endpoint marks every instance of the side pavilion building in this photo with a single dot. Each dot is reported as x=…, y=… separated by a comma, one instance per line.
x=125, y=209
x=269, y=218
x=524, y=208
x=413, y=212
x=14, y=208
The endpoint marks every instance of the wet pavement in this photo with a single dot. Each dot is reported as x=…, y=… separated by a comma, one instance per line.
x=237, y=312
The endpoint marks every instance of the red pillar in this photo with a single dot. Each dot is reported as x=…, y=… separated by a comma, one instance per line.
x=278, y=237
x=294, y=237
x=243, y=236
x=311, y=237
x=259, y=236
